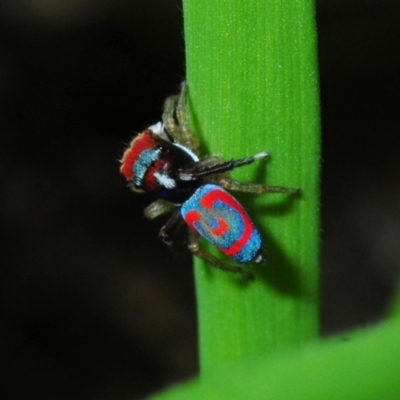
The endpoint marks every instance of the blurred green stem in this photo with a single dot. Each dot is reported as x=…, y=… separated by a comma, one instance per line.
x=365, y=366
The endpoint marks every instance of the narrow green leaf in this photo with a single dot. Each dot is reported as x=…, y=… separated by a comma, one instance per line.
x=252, y=75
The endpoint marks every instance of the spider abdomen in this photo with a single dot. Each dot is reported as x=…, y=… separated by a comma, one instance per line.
x=219, y=218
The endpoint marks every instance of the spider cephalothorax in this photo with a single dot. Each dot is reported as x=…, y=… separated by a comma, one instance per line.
x=152, y=164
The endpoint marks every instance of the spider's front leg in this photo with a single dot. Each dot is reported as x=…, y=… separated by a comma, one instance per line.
x=176, y=120
x=216, y=169
x=188, y=138
x=213, y=166
x=194, y=247
x=168, y=117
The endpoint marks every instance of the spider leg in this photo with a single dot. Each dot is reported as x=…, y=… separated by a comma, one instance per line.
x=209, y=167
x=256, y=188
x=194, y=172
x=181, y=108
x=197, y=251
x=176, y=121
x=157, y=208
x=166, y=231
x=168, y=116
x=212, y=166
x=187, y=138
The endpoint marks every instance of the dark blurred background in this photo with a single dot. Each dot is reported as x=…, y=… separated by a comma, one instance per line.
x=92, y=304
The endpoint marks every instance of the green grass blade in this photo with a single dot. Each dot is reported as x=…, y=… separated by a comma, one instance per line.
x=252, y=74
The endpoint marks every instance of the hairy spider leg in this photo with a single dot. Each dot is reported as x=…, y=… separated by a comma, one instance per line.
x=188, y=138
x=256, y=188
x=196, y=250
x=176, y=121
x=168, y=116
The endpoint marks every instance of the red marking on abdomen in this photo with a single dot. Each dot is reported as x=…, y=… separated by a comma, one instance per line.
x=222, y=228
x=208, y=202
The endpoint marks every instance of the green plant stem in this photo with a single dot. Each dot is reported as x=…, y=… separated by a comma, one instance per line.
x=364, y=367
x=252, y=75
